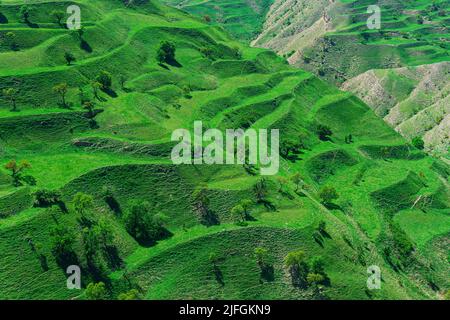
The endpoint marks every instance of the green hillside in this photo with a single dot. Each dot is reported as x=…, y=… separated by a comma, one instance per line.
x=243, y=19
x=112, y=142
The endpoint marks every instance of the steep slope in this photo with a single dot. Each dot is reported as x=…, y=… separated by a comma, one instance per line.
x=118, y=152
x=242, y=18
x=414, y=100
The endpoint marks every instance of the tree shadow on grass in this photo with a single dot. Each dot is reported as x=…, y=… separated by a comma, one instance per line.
x=267, y=273
x=163, y=235
x=3, y=19
x=218, y=275
x=32, y=24
x=110, y=92
x=85, y=46
x=113, y=258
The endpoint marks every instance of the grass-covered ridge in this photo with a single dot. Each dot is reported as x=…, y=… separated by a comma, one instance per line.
x=116, y=150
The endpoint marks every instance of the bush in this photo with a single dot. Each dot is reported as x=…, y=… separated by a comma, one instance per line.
x=418, y=143
x=166, y=52
x=105, y=79
x=328, y=194
x=324, y=132
x=96, y=291
x=46, y=198
x=144, y=226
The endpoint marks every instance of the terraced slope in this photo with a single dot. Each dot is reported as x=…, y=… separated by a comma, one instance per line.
x=415, y=101
x=243, y=19
x=332, y=40
x=119, y=154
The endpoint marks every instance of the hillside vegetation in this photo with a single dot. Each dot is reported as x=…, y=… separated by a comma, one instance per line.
x=332, y=40
x=86, y=177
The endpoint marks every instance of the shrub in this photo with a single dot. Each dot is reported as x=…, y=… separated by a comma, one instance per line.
x=143, y=225
x=69, y=57
x=328, y=194
x=46, y=198
x=96, y=291
x=297, y=268
x=166, y=52
x=17, y=170
x=418, y=143
x=105, y=79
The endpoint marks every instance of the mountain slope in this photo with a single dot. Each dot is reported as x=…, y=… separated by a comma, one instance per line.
x=415, y=101
x=119, y=153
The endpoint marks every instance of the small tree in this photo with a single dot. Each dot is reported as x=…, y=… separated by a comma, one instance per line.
x=297, y=179
x=105, y=79
x=143, y=225
x=89, y=107
x=62, y=89
x=166, y=53
x=282, y=181
x=324, y=132
x=261, y=255
x=25, y=13
x=260, y=190
x=328, y=194
x=207, y=18
x=238, y=213
x=96, y=291
x=298, y=269
x=132, y=294
x=62, y=240
x=17, y=170
x=58, y=15
x=11, y=95
x=96, y=86
x=10, y=39
x=418, y=143
x=246, y=205
x=200, y=203
x=69, y=58
x=82, y=203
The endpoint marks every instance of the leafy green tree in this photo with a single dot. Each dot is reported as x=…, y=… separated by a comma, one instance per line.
x=45, y=198
x=282, y=181
x=322, y=227
x=418, y=143
x=166, y=53
x=89, y=107
x=328, y=194
x=10, y=40
x=297, y=179
x=317, y=265
x=96, y=291
x=238, y=213
x=63, y=239
x=17, y=170
x=69, y=58
x=200, y=204
x=261, y=255
x=82, y=203
x=105, y=79
x=143, y=225
x=62, y=89
x=295, y=262
x=58, y=15
x=24, y=13
x=246, y=205
x=11, y=95
x=96, y=86
x=260, y=190
x=132, y=294
x=315, y=278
